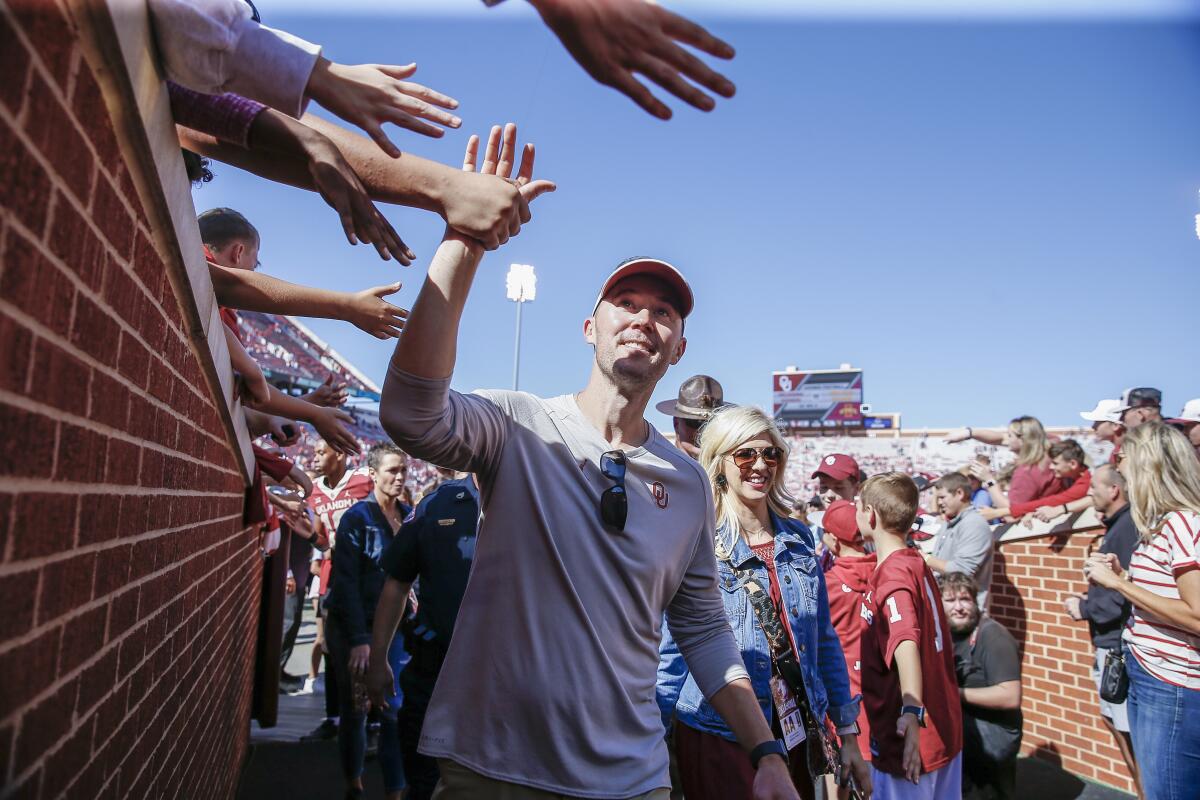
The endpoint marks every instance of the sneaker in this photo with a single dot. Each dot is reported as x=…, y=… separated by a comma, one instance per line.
x=305, y=688
x=328, y=729
x=290, y=684
x=318, y=686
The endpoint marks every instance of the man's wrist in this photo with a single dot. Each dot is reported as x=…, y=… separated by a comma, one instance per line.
x=766, y=750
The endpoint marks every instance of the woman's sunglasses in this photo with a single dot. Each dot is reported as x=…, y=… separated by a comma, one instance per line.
x=748, y=456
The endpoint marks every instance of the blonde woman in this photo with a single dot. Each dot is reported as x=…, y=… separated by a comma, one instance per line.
x=772, y=587
x=1162, y=639
x=1032, y=477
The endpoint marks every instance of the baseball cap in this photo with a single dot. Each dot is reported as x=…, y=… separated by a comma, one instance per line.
x=1190, y=413
x=1105, y=411
x=1142, y=396
x=837, y=466
x=654, y=267
x=839, y=520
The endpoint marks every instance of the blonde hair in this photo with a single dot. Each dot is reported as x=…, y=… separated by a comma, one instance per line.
x=1162, y=473
x=1034, y=447
x=725, y=431
x=894, y=498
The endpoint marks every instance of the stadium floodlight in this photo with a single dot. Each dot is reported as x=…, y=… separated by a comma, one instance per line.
x=521, y=285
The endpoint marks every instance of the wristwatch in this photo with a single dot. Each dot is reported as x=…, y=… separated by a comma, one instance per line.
x=989, y=483
x=916, y=711
x=772, y=747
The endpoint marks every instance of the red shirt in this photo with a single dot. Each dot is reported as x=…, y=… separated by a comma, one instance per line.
x=1073, y=492
x=848, y=581
x=904, y=604
x=330, y=502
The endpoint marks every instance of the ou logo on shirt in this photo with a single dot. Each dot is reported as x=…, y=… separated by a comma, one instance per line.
x=660, y=494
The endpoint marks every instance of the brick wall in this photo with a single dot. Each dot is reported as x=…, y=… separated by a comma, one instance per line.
x=128, y=585
x=1062, y=722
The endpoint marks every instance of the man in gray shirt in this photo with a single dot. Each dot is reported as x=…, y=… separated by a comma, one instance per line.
x=593, y=527
x=965, y=545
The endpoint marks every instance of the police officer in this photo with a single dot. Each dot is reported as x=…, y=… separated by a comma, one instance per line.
x=435, y=544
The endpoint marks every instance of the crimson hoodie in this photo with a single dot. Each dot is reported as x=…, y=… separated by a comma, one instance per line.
x=847, y=581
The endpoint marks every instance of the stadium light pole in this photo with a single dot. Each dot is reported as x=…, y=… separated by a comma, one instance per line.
x=521, y=284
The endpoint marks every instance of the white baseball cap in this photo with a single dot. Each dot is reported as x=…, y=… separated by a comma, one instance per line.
x=1105, y=411
x=654, y=267
x=1190, y=413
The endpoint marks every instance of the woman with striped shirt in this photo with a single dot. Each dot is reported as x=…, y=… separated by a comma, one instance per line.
x=1162, y=639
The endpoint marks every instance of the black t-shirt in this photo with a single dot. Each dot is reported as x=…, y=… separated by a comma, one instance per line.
x=985, y=658
x=437, y=544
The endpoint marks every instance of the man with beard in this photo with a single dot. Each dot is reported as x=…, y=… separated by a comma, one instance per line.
x=988, y=665
x=593, y=526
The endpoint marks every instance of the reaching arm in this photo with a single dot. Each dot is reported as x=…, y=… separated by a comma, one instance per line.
x=483, y=206
x=1006, y=695
x=254, y=291
x=1103, y=569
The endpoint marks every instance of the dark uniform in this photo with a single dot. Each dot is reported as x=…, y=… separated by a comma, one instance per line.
x=434, y=548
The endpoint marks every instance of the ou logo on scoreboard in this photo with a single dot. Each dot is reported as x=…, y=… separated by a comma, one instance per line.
x=785, y=383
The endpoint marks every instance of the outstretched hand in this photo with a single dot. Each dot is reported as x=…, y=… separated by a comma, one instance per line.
x=369, y=95
x=371, y=313
x=498, y=159
x=613, y=39
x=341, y=188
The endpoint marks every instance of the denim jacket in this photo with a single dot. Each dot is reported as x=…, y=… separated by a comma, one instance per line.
x=822, y=664
x=358, y=578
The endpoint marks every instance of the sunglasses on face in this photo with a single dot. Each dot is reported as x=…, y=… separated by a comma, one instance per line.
x=614, y=503
x=748, y=456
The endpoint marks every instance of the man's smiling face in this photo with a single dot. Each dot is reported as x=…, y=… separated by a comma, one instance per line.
x=637, y=331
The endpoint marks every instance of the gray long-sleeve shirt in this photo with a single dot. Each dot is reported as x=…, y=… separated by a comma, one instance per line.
x=549, y=680
x=966, y=545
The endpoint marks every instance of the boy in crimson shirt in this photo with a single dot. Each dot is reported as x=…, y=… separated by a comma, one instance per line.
x=911, y=693
x=848, y=580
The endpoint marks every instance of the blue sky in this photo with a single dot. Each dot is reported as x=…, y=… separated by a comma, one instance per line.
x=991, y=217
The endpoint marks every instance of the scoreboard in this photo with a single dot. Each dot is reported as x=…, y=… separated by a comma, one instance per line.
x=824, y=398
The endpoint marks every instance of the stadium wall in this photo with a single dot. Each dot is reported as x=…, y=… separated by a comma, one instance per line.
x=129, y=586
x=1060, y=700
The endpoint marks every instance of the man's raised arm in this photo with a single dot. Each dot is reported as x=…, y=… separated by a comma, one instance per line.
x=418, y=410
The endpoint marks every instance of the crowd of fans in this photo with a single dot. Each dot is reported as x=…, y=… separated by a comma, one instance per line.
x=806, y=631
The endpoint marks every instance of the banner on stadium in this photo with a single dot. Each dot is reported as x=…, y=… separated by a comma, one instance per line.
x=824, y=398
x=879, y=423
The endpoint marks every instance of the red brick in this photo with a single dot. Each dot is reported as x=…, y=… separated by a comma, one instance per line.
x=149, y=267
x=82, y=638
x=45, y=725
x=113, y=218
x=66, y=585
x=28, y=789
x=124, y=461
x=122, y=613
x=109, y=402
x=97, y=681
x=51, y=33
x=74, y=241
x=95, y=332
x=44, y=524
x=69, y=760
x=15, y=355
x=59, y=378
x=134, y=362
x=30, y=455
x=151, y=475
x=87, y=104
x=17, y=594
x=7, y=734
x=34, y=285
x=81, y=454
x=55, y=135
x=26, y=189
x=14, y=66
x=28, y=669
x=121, y=294
x=134, y=508
x=112, y=569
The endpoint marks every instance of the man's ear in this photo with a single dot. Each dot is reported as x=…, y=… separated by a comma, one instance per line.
x=679, y=351
x=589, y=331
x=236, y=249
x=874, y=521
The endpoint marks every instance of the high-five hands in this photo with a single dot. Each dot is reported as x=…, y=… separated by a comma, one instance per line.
x=613, y=39
x=498, y=159
x=369, y=95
